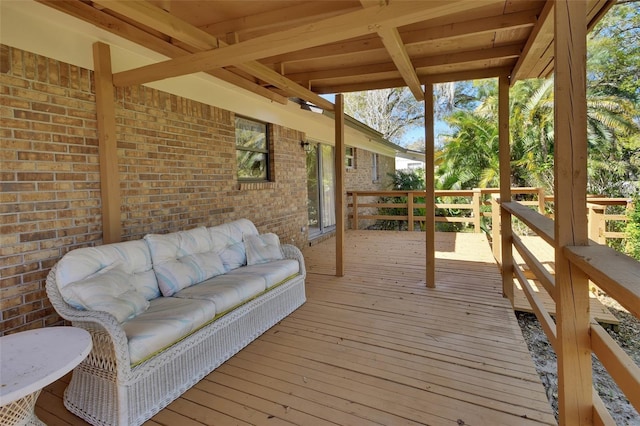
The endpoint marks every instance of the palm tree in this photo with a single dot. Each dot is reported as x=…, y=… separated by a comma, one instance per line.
x=470, y=157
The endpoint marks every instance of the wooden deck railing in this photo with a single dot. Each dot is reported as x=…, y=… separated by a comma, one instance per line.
x=606, y=215
x=473, y=204
x=616, y=274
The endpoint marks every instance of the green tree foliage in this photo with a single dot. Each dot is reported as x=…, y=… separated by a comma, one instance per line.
x=402, y=180
x=632, y=230
x=614, y=52
x=469, y=158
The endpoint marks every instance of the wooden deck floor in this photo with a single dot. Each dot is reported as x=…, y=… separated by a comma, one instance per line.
x=375, y=347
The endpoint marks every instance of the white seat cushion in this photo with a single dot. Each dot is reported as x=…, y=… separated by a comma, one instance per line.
x=167, y=320
x=273, y=272
x=226, y=291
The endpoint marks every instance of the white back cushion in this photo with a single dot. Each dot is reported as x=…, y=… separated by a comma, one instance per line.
x=181, y=259
x=133, y=258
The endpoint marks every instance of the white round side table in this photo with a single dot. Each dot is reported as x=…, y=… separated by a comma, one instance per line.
x=29, y=361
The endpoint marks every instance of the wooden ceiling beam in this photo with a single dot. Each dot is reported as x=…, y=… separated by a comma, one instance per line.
x=539, y=41
x=85, y=12
x=496, y=25
x=395, y=47
x=157, y=18
x=504, y=52
x=393, y=43
x=466, y=75
x=275, y=20
x=478, y=26
x=348, y=25
x=424, y=79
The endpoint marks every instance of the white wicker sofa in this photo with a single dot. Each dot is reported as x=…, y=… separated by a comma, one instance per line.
x=166, y=310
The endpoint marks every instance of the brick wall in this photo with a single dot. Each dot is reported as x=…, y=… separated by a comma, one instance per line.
x=176, y=164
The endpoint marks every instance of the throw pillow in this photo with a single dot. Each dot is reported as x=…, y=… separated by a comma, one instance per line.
x=262, y=248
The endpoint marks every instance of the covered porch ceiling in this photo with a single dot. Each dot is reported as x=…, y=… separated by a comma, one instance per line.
x=286, y=49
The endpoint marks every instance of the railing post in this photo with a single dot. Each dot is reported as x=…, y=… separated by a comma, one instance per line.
x=410, y=210
x=496, y=243
x=477, y=199
x=541, y=205
x=597, y=223
x=354, y=201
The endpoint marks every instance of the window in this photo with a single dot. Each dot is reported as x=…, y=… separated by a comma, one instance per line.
x=350, y=158
x=374, y=168
x=252, y=150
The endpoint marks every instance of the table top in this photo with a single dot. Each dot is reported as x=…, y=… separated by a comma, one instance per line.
x=30, y=360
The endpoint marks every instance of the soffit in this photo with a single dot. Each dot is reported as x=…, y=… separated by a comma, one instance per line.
x=292, y=48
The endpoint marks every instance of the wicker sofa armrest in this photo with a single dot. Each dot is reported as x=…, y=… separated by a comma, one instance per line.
x=293, y=252
x=110, y=345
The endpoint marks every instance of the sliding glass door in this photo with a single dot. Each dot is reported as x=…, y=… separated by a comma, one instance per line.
x=321, y=189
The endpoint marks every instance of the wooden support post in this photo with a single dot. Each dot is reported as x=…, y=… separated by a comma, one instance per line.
x=107, y=144
x=340, y=194
x=354, y=197
x=505, y=188
x=575, y=405
x=477, y=200
x=430, y=195
x=410, y=211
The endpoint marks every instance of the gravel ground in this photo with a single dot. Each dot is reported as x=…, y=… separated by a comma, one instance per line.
x=628, y=337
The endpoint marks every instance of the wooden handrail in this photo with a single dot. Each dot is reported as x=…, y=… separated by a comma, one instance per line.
x=616, y=274
x=541, y=225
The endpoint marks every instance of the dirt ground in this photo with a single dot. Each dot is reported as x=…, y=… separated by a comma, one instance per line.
x=628, y=337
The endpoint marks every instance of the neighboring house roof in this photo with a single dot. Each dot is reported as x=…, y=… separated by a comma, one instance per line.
x=411, y=155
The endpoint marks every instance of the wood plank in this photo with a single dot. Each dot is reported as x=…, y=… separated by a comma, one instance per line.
x=541, y=225
x=345, y=26
x=157, y=18
x=110, y=23
x=617, y=274
x=540, y=38
x=575, y=402
x=398, y=53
